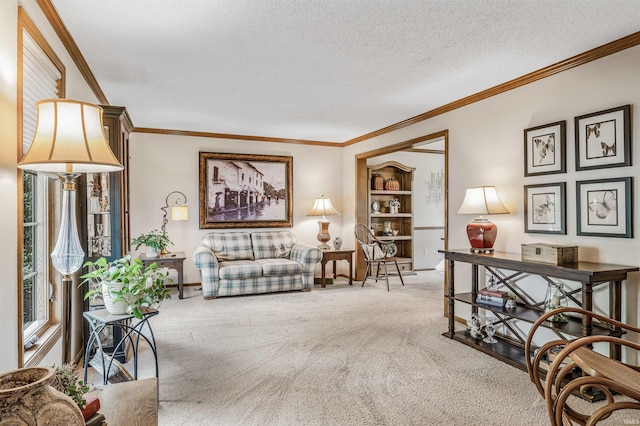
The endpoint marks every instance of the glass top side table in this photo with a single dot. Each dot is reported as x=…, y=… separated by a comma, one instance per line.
x=132, y=331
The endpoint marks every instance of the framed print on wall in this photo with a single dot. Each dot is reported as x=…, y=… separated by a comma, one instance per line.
x=544, y=149
x=544, y=208
x=245, y=191
x=604, y=207
x=603, y=139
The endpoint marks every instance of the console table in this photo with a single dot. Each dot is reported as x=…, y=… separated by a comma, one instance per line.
x=335, y=255
x=171, y=261
x=511, y=350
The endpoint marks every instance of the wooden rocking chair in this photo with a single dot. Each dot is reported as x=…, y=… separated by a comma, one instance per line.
x=375, y=252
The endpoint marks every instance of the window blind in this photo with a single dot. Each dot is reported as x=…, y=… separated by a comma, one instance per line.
x=39, y=81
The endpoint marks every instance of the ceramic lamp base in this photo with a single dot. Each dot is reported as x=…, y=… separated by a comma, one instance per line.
x=482, y=234
x=323, y=235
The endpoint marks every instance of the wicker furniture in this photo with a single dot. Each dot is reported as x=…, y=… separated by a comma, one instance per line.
x=577, y=369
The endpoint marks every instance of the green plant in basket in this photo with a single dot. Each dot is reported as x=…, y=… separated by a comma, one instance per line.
x=128, y=280
x=155, y=239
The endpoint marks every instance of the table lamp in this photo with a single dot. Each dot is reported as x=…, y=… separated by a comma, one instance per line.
x=323, y=207
x=481, y=232
x=69, y=140
x=179, y=211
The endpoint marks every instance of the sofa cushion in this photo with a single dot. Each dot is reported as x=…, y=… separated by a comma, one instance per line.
x=272, y=245
x=229, y=245
x=275, y=267
x=240, y=269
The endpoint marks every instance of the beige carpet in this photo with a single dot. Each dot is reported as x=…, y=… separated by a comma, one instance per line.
x=336, y=356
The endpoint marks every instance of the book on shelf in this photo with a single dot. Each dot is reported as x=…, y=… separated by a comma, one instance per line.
x=91, y=407
x=98, y=419
x=490, y=300
x=494, y=293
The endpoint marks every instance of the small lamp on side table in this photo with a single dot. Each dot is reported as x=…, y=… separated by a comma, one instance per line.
x=481, y=232
x=323, y=207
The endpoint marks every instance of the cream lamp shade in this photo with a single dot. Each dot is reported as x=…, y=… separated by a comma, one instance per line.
x=69, y=138
x=481, y=232
x=323, y=207
x=179, y=213
x=482, y=200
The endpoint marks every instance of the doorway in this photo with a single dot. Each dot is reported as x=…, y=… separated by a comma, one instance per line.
x=435, y=143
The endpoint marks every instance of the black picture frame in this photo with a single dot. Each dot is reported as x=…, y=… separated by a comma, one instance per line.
x=603, y=139
x=604, y=207
x=545, y=148
x=245, y=191
x=545, y=208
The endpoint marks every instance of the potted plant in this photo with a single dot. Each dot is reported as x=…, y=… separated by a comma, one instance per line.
x=67, y=382
x=126, y=285
x=155, y=242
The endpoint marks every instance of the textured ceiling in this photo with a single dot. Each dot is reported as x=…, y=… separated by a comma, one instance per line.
x=328, y=70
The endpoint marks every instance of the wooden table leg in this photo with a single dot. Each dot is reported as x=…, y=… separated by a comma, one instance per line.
x=323, y=281
x=350, y=270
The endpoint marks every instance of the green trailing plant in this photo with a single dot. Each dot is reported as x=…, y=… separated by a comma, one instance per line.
x=65, y=381
x=141, y=286
x=155, y=239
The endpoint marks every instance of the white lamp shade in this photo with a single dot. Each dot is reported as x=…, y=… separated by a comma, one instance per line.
x=69, y=138
x=179, y=213
x=322, y=207
x=482, y=200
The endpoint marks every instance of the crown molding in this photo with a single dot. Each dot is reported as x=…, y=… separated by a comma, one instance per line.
x=74, y=51
x=594, y=54
x=236, y=137
x=575, y=61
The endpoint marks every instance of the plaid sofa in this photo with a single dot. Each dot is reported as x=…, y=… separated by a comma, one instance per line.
x=237, y=263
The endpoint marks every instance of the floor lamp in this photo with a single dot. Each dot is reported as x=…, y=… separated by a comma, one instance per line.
x=69, y=140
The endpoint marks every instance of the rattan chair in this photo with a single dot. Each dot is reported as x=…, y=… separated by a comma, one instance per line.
x=616, y=382
x=376, y=253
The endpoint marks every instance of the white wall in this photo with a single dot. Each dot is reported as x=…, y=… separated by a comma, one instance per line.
x=486, y=148
x=164, y=163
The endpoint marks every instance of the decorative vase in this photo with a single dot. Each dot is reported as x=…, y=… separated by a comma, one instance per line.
x=151, y=252
x=337, y=243
x=377, y=182
x=392, y=184
x=116, y=308
x=554, y=299
x=387, y=231
x=27, y=399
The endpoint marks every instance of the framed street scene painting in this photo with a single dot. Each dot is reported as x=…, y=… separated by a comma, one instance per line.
x=245, y=190
x=603, y=139
x=604, y=207
x=544, y=208
x=544, y=149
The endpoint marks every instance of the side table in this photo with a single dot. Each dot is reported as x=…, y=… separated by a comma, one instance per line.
x=335, y=255
x=99, y=319
x=171, y=261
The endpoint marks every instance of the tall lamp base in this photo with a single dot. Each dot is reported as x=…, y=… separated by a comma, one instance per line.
x=323, y=235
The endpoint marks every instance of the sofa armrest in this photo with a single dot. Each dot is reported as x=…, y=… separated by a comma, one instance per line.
x=309, y=257
x=207, y=262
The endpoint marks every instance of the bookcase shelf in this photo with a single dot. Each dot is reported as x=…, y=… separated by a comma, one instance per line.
x=510, y=349
x=402, y=221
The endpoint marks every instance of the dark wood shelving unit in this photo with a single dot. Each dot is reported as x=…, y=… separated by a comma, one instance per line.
x=510, y=349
